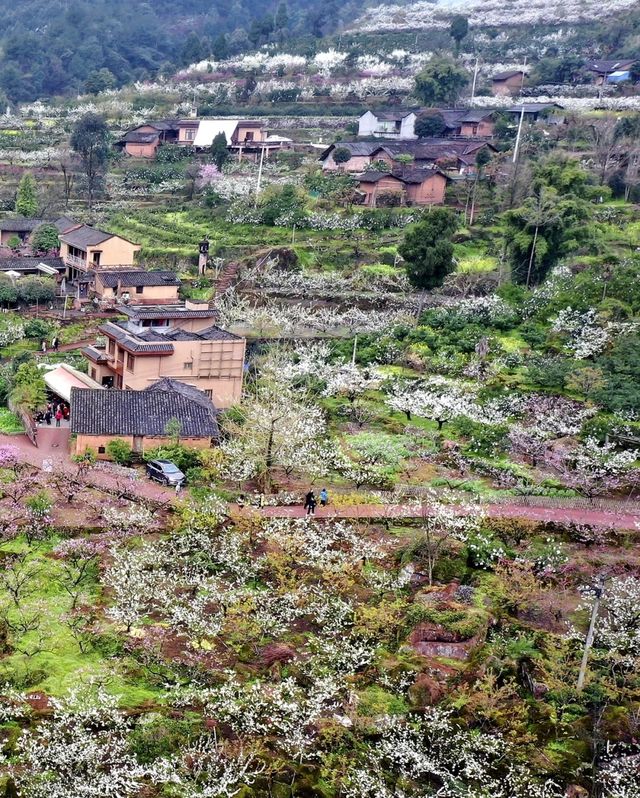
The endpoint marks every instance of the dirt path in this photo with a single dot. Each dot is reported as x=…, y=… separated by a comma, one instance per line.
x=618, y=520
x=53, y=452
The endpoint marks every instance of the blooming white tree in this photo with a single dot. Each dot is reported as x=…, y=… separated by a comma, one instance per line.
x=82, y=750
x=276, y=430
x=594, y=468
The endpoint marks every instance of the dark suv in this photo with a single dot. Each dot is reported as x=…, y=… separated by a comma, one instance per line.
x=165, y=472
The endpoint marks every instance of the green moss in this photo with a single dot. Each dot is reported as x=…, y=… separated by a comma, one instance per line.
x=374, y=702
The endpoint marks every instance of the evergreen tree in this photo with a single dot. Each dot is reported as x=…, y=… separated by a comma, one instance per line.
x=427, y=248
x=219, y=152
x=27, y=196
x=459, y=29
x=282, y=16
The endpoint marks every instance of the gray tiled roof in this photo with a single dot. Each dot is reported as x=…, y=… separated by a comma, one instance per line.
x=19, y=225
x=166, y=312
x=146, y=413
x=136, y=137
x=138, y=343
x=136, y=278
x=532, y=108
x=354, y=147
x=188, y=391
x=604, y=67
x=29, y=264
x=64, y=223
x=509, y=73
x=212, y=333
x=85, y=236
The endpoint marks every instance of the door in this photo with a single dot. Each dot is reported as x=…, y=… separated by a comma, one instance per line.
x=137, y=444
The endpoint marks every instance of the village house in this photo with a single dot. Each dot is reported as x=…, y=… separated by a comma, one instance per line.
x=457, y=122
x=245, y=137
x=142, y=287
x=508, y=83
x=18, y=228
x=551, y=113
x=402, y=187
x=141, y=418
x=19, y=266
x=174, y=341
x=86, y=249
x=387, y=124
x=611, y=71
x=360, y=156
x=454, y=155
x=144, y=141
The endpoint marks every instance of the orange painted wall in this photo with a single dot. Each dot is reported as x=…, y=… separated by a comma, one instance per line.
x=431, y=192
x=84, y=442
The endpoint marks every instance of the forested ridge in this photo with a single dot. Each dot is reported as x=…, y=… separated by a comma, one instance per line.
x=51, y=47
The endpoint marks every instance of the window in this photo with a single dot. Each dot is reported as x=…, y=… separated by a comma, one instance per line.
x=189, y=135
x=188, y=366
x=111, y=346
x=96, y=258
x=101, y=450
x=93, y=374
x=131, y=361
x=139, y=289
x=209, y=392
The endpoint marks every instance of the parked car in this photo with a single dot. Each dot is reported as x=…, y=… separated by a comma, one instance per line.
x=165, y=472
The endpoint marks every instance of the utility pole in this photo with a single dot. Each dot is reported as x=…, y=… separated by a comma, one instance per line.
x=599, y=590
x=517, y=145
x=475, y=78
x=255, y=205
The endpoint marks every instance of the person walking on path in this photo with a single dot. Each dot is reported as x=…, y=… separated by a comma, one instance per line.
x=58, y=417
x=310, y=503
x=43, y=347
x=55, y=343
x=47, y=417
x=324, y=497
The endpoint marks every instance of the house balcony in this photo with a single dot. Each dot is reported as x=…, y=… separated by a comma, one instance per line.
x=76, y=263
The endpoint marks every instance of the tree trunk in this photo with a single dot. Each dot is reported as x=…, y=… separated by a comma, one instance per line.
x=533, y=254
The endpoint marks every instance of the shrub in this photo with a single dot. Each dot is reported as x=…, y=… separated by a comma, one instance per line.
x=37, y=328
x=120, y=452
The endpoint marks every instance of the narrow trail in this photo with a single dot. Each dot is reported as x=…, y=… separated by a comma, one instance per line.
x=563, y=515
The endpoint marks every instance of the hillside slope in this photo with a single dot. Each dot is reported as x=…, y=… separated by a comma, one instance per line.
x=50, y=47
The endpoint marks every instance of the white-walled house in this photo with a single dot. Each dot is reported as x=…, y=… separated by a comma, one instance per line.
x=388, y=124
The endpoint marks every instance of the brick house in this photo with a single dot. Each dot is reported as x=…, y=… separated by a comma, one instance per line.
x=360, y=156
x=140, y=418
x=508, y=83
x=20, y=228
x=405, y=186
x=142, y=287
x=145, y=140
x=170, y=341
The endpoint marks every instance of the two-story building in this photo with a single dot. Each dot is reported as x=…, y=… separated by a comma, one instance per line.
x=86, y=249
x=177, y=342
x=387, y=124
x=138, y=286
x=244, y=137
